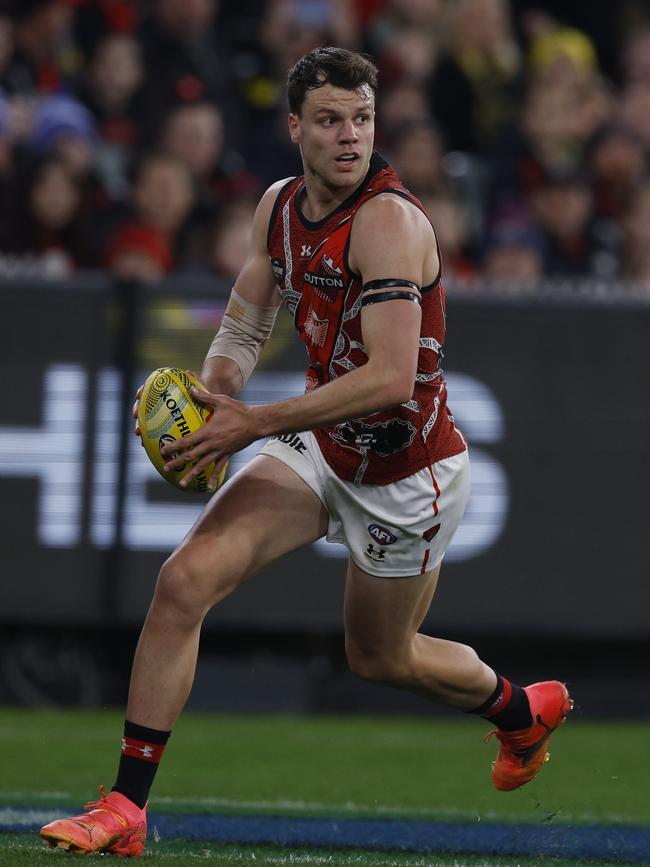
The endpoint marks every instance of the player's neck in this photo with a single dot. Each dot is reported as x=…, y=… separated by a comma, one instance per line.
x=319, y=199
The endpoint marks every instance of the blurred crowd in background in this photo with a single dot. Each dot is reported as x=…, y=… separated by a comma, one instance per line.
x=138, y=136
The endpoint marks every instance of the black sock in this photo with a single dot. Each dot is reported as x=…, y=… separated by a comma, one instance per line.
x=142, y=749
x=508, y=707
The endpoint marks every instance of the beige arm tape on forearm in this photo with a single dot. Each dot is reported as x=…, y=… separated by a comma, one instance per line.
x=244, y=330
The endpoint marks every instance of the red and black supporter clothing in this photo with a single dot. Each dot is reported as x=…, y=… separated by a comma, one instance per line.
x=323, y=294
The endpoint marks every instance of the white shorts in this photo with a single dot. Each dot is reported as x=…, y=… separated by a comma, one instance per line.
x=394, y=530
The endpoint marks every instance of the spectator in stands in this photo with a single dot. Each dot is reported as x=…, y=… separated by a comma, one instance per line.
x=635, y=57
x=162, y=199
x=74, y=85
x=6, y=142
x=111, y=90
x=513, y=258
x=552, y=131
x=616, y=161
x=633, y=110
x=288, y=29
x=139, y=253
x=409, y=52
x=404, y=39
x=231, y=239
x=561, y=55
x=45, y=58
x=633, y=107
x=6, y=46
x=63, y=127
x=450, y=221
x=94, y=21
x=194, y=133
x=401, y=104
x=565, y=103
x=416, y=152
x=636, y=237
x=47, y=234
x=477, y=82
x=576, y=242
x=188, y=58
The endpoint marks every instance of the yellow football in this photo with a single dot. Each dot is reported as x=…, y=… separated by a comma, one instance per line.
x=167, y=412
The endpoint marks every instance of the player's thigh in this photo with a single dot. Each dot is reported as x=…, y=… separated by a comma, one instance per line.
x=265, y=511
x=383, y=614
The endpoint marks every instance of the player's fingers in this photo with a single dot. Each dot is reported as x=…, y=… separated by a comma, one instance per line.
x=198, y=468
x=204, y=396
x=136, y=403
x=176, y=463
x=183, y=454
x=213, y=481
x=183, y=445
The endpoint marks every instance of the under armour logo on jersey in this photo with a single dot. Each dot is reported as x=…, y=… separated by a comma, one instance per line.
x=306, y=250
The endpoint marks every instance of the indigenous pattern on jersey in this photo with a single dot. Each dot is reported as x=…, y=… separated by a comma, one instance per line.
x=323, y=295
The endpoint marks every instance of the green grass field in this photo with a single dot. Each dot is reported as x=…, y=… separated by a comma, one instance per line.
x=322, y=767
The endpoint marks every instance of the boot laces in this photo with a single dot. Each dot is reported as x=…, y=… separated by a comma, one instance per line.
x=104, y=804
x=91, y=805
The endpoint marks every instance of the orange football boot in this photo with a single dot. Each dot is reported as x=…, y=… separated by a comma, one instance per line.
x=523, y=752
x=114, y=824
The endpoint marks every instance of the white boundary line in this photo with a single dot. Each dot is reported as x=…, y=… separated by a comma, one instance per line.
x=362, y=811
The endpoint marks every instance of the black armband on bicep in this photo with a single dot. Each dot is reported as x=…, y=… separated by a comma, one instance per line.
x=390, y=283
x=389, y=296
x=398, y=293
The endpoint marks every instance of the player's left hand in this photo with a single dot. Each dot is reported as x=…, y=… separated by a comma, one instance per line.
x=229, y=429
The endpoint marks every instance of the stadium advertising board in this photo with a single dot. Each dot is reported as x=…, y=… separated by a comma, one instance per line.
x=549, y=396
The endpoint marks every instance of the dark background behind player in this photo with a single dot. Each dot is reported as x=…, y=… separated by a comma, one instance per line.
x=135, y=139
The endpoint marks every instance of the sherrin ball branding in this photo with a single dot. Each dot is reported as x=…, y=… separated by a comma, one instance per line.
x=167, y=413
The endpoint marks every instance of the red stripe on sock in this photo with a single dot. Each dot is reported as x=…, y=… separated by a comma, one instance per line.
x=142, y=750
x=503, y=701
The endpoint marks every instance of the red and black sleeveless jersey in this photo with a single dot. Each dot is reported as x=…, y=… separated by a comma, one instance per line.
x=322, y=293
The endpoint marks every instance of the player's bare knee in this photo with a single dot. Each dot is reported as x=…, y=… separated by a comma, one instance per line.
x=378, y=666
x=186, y=591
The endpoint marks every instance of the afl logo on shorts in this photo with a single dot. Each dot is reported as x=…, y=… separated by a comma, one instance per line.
x=381, y=535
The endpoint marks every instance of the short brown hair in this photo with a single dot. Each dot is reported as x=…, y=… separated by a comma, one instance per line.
x=336, y=66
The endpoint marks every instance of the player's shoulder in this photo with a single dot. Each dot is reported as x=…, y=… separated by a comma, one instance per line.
x=276, y=186
x=271, y=193
x=390, y=210
x=391, y=207
x=267, y=203
x=269, y=198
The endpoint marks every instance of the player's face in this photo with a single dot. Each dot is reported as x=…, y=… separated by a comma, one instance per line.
x=335, y=130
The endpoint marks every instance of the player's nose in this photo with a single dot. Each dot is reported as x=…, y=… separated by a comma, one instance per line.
x=349, y=131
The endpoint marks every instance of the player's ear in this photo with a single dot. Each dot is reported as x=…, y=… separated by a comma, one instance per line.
x=294, y=128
